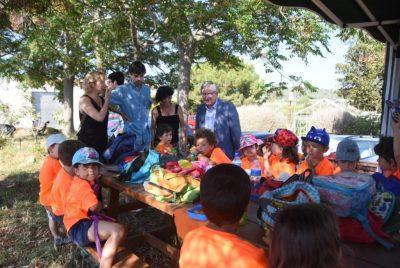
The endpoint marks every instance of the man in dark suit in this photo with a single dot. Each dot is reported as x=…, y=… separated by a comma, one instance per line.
x=221, y=117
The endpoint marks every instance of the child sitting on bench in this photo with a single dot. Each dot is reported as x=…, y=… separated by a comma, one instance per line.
x=48, y=172
x=164, y=134
x=224, y=195
x=282, y=157
x=347, y=156
x=206, y=148
x=306, y=235
x=82, y=203
x=62, y=182
x=317, y=143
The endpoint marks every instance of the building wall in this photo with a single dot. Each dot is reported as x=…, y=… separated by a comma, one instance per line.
x=45, y=103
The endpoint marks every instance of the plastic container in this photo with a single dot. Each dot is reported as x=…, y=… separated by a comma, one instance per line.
x=255, y=172
x=255, y=179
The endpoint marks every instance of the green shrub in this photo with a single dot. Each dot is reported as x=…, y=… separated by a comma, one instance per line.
x=357, y=125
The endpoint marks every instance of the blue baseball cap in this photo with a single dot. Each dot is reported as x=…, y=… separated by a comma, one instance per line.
x=86, y=155
x=347, y=150
x=317, y=135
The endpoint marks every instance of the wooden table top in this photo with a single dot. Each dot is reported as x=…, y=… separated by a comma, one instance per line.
x=250, y=231
x=137, y=192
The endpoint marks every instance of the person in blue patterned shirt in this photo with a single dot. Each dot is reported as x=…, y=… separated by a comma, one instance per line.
x=134, y=101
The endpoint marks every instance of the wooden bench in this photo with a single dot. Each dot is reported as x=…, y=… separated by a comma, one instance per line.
x=367, y=167
x=123, y=257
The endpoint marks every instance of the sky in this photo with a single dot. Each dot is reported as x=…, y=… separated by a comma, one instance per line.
x=319, y=71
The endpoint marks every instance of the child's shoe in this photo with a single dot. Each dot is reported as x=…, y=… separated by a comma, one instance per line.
x=60, y=241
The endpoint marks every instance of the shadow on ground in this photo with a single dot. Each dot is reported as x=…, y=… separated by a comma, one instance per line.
x=25, y=239
x=19, y=187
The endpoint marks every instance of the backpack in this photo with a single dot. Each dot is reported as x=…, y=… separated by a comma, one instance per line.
x=120, y=147
x=382, y=205
x=348, y=195
x=152, y=159
x=131, y=164
x=294, y=193
x=172, y=187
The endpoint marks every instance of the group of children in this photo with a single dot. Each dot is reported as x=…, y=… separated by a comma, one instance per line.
x=225, y=194
x=278, y=157
x=71, y=194
x=69, y=191
x=299, y=239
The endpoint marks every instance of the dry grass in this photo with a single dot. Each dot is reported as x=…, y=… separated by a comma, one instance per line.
x=25, y=239
x=266, y=117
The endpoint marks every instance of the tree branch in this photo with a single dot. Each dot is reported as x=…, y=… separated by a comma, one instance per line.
x=135, y=37
x=200, y=35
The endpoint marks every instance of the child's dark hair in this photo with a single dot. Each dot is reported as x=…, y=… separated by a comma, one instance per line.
x=225, y=193
x=118, y=77
x=305, y=235
x=190, y=141
x=67, y=149
x=385, y=148
x=290, y=153
x=207, y=134
x=137, y=68
x=162, y=129
x=163, y=92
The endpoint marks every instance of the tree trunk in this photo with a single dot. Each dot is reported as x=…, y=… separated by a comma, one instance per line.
x=186, y=55
x=135, y=39
x=99, y=60
x=69, y=104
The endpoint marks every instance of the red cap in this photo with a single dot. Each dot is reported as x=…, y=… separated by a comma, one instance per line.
x=285, y=137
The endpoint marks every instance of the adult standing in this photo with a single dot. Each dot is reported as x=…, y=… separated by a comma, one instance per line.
x=93, y=112
x=134, y=101
x=221, y=117
x=170, y=114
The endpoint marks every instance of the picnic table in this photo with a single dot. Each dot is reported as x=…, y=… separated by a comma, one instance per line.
x=363, y=255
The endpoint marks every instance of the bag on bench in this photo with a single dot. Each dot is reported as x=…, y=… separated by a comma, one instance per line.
x=172, y=187
x=294, y=193
x=348, y=195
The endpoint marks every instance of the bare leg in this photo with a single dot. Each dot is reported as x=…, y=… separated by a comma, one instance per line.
x=53, y=226
x=114, y=233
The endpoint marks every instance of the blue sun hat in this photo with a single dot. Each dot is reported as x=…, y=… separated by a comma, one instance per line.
x=86, y=155
x=317, y=135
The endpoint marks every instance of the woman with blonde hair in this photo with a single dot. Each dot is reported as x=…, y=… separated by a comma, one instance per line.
x=93, y=112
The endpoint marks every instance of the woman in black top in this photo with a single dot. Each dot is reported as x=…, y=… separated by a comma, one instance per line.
x=93, y=112
x=168, y=113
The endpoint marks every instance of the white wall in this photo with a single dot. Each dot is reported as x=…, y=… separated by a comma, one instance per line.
x=16, y=98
